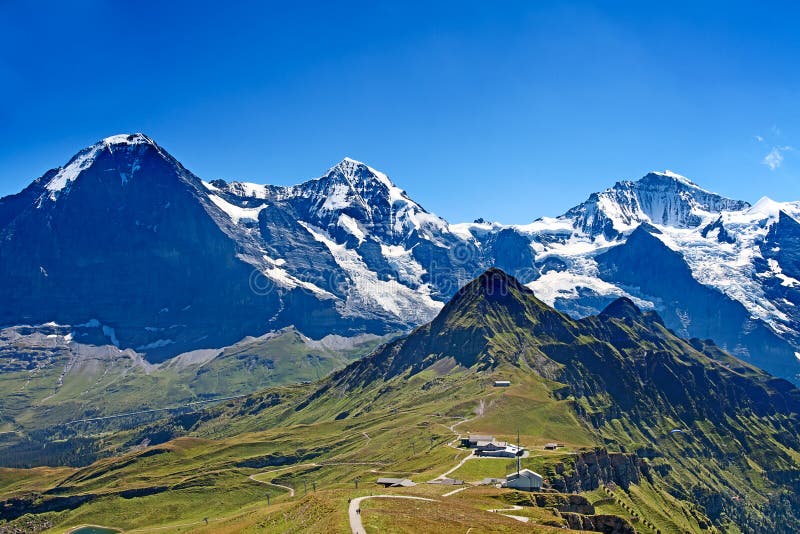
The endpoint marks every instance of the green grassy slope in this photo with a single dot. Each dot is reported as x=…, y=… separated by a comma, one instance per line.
x=49, y=384
x=615, y=387
x=69, y=382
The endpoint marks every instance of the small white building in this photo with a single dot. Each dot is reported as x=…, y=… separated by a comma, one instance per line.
x=502, y=383
x=503, y=451
x=525, y=480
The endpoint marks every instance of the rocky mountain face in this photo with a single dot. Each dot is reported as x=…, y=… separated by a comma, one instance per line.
x=659, y=198
x=590, y=470
x=125, y=236
x=577, y=510
x=695, y=310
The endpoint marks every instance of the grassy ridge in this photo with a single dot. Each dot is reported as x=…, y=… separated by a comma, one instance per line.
x=78, y=381
x=92, y=382
x=619, y=382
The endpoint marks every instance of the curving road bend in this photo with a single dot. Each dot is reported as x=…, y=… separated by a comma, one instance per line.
x=355, y=505
x=287, y=468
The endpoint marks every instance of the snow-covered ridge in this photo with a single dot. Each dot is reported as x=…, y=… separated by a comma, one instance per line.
x=86, y=157
x=248, y=190
x=68, y=173
x=128, y=139
x=666, y=200
x=735, y=266
x=679, y=178
x=765, y=208
x=662, y=198
x=351, y=188
x=720, y=239
x=354, y=239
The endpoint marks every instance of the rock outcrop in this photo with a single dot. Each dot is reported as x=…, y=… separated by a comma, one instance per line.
x=593, y=468
x=577, y=504
x=608, y=524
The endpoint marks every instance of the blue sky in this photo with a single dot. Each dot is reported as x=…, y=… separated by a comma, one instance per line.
x=507, y=111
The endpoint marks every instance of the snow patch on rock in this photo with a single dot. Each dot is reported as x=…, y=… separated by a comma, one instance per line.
x=236, y=213
x=366, y=292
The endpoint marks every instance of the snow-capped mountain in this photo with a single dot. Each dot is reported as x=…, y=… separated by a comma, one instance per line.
x=709, y=265
x=125, y=236
x=351, y=236
x=659, y=198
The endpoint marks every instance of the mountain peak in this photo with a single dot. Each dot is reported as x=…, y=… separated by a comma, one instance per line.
x=134, y=143
x=660, y=198
x=353, y=184
x=622, y=308
x=128, y=139
x=766, y=207
x=490, y=292
x=471, y=329
x=493, y=281
x=347, y=160
x=669, y=176
x=359, y=174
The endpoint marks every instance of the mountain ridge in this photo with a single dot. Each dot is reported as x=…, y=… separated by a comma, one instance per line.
x=350, y=252
x=684, y=434
x=697, y=417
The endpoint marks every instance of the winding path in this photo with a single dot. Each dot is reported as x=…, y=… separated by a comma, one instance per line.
x=514, y=508
x=356, y=527
x=449, y=493
x=287, y=488
x=471, y=455
x=297, y=466
x=452, y=428
x=457, y=466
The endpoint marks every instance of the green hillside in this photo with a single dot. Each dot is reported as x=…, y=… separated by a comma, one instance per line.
x=659, y=435
x=45, y=385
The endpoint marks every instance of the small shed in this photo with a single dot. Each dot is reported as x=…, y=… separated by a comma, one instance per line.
x=550, y=446
x=525, y=480
x=502, y=383
x=395, y=482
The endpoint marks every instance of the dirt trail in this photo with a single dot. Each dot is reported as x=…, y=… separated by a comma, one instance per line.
x=356, y=527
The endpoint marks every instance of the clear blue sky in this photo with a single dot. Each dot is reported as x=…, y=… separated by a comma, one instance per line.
x=507, y=113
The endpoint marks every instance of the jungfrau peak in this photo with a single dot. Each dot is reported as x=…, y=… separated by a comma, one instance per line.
x=663, y=198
